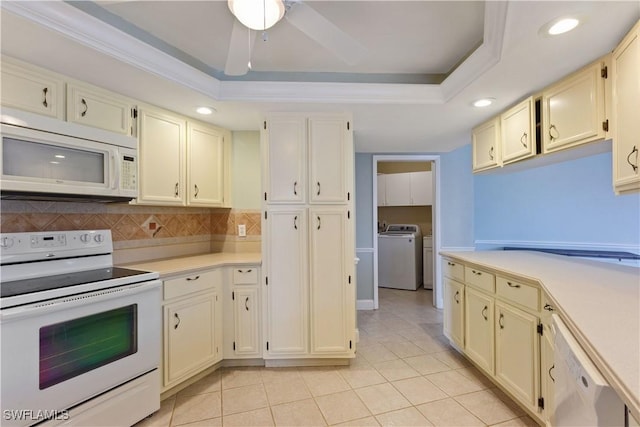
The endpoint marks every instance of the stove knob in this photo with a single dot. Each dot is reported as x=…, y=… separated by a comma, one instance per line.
x=6, y=242
x=99, y=238
x=85, y=238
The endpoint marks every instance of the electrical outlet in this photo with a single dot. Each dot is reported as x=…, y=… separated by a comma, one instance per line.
x=242, y=230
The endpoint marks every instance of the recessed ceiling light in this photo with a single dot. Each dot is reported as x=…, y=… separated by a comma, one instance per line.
x=484, y=102
x=205, y=110
x=562, y=26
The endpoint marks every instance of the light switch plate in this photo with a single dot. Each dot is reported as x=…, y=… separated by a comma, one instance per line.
x=242, y=230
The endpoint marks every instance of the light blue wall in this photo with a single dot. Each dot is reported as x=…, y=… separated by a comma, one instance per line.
x=364, y=224
x=557, y=205
x=456, y=199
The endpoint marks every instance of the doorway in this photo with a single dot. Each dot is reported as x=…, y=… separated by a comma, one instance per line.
x=427, y=217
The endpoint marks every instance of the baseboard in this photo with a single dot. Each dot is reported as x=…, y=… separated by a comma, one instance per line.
x=364, y=304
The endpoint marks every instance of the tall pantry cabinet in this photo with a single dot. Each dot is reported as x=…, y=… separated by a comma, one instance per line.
x=308, y=236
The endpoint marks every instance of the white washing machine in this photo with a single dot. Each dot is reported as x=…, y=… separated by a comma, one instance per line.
x=400, y=257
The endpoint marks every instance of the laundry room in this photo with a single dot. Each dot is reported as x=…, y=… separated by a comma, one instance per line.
x=405, y=224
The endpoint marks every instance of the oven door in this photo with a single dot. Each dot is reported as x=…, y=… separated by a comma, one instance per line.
x=59, y=353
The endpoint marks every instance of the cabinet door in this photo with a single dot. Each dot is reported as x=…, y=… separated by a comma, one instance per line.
x=285, y=153
x=161, y=154
x=479, y=328
x=97, y=108
x=517, y=363
x=453, y=320
x=382, y=189
x=398, y=189
x=573, y=110
x=518, y=132
x=246, y=315
x=285, y=255
x=205, y=166
x=625, y=64
x=486, y=145
x=421, y=188
x=30, y=90
x=328, y=160
x=332, y=291
x=190, y=336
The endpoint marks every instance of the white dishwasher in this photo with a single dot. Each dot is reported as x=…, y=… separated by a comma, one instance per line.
x=582, y=395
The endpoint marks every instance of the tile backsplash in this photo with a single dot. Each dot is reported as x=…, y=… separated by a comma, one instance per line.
x=132, y=226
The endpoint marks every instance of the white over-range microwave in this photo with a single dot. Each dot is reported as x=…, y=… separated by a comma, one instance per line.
x=49, y=159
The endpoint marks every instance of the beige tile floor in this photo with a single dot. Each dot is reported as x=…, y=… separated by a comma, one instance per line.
x=405, y=374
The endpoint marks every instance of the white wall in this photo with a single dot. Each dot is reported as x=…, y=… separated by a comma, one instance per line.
x=246, y=170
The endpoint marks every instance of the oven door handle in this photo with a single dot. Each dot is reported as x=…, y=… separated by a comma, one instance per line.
x=64, y=303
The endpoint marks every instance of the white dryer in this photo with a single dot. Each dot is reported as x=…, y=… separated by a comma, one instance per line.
x=400, y=257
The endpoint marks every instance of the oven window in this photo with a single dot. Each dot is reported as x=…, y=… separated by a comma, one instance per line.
x=71, y=348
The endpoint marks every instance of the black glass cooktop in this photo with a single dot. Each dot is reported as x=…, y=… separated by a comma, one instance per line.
x=40, y=284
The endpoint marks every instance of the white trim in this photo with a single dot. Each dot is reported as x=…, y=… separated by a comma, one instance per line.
x=365, y=250
x=365, y=304
x=561, y=245
x=457, y=249
x=438, y=301
x=104, y=38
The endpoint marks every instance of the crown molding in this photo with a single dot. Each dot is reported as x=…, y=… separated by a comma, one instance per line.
x=89, y=31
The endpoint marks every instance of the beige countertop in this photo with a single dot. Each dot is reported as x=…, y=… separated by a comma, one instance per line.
x=191, y=264
x=599, y=302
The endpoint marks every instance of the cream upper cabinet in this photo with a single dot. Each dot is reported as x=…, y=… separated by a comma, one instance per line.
x=91, y=106
x=286, y=284
x=479, y=328
x=573, y=110
x=329, y=158
x=162, y=142
x=285, y=151
x=518, y=132
x=31, y=89
x=453, y=319
x=487, y=149
x=398, y=189
x=332, y=288
x=421, y=188
x=205, y=165
x=517, y=354
x=625, y=117
x=382, y=189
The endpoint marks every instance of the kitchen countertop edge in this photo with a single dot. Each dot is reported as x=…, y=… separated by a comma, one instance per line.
x=168, y=267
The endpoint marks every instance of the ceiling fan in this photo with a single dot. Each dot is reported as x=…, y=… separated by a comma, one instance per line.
x=297, y=13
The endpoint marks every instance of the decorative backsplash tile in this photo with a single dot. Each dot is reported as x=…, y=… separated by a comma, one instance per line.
x=144, y=225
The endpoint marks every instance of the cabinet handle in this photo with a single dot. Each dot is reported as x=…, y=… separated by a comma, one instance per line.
x=246, y=303
x=635, y=167
x=501, y=320
x=523, y=139
x=242, y=271
x=295, y=188
x=318, y=193
x=44, y=97
x=318, y=223
x=479, y=273
x=491, y=153
x=192, y=278
x=197, y=190
x=86, y=107
x=553, y=137
x=295, y=222
x=483, y=312
x=551, y=369
x=456, y=297
x=450, y=263
x=511, y=285
x=175, y=326
x=176, y=190
x=548, y=307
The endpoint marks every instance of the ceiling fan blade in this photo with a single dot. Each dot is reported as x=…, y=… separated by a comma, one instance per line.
x=323, y=31
x=240, y=47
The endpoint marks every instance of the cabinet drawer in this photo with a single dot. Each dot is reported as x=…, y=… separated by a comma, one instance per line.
x=245, y=276
x=525, y=295
x=195, y=282
x=480, y=279
x=455, y=270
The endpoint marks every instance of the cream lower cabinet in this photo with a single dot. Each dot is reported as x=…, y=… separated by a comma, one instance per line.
x=547, y=363
x=625, y=76
x=245, y=313
x=479, y=329
x=192, y=317
x=517, y=354
x=453, y=318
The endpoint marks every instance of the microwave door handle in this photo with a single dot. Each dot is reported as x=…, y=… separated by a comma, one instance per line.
x=114, y=172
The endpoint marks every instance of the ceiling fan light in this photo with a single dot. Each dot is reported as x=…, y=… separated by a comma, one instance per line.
x=257, y=14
